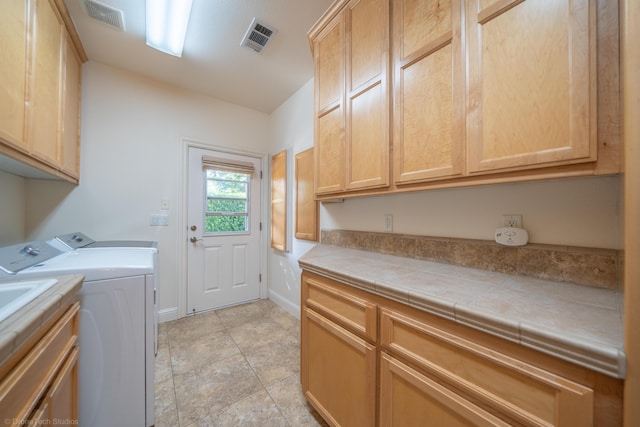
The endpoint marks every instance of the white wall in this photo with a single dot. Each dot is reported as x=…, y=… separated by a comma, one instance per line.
x=292, y=129
x=131, y=153
x=574, y=212
x=12, y=209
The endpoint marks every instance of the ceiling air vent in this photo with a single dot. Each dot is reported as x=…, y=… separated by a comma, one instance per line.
x=258, y=35
x=105, y=14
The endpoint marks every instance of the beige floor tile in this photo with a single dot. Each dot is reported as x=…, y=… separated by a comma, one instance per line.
x=287, y=394
x=166, y=411
x=189, y=354
x=195, y=326
x=257, y=410
x=257, y=333
x=275, y=360
x=163, y=370
x=205, y=391
x=238, y=366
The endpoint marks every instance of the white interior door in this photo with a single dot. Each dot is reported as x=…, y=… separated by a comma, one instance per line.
x=223, y=236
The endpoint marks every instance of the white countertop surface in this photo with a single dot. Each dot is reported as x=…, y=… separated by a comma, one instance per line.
x=580, y=324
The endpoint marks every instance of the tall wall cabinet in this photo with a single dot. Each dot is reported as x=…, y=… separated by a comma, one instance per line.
x=469, y=92
x=351, y=56
x=40, y=76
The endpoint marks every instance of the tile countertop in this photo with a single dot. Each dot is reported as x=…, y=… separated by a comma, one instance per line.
x=580, y=324
x=16, y=329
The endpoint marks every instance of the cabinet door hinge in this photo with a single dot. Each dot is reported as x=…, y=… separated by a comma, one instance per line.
x=260, y=174
x=260, y=225
x=260, y=277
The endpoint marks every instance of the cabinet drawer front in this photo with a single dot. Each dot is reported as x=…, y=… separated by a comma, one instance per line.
x=355, y=314
x=408, y=398
x=522, y=392
x=23, y=386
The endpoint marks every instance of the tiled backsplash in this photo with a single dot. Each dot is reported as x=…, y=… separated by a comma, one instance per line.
x=585, y=266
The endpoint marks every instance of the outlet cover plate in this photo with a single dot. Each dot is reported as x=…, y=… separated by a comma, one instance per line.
x=512, y=220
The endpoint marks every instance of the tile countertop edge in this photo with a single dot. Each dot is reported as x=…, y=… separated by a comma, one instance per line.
x=600, y=357
x=16, y=329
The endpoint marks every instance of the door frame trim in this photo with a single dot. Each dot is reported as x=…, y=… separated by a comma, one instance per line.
x=183, y=170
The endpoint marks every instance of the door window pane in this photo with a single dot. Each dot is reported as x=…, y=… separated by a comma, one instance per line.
x=227, y=202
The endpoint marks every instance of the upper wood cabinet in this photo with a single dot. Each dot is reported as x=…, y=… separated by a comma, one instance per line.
x=40, y=79
x=483, y=91
x=429, y=108
x=351, y=57
x=13, y=73
x=532, y=83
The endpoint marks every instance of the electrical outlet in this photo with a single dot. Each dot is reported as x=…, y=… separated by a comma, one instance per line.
x=512, y=220
x=388, y=223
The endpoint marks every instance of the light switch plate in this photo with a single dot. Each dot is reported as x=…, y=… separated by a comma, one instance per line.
x=159, y=219
x=512, y=236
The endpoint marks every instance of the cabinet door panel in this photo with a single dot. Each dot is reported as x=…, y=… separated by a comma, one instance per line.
x=338, y=372
x=329, y=161
x=532, y=84
x=409, y=398
x=71, y=111
x=13, y=72
x=329, y=65
x=368, y=147
x=429, y=91
x=367, y=22
x=367, y=140
x=44, y=96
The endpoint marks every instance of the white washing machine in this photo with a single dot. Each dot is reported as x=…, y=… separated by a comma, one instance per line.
x=80, y=241
x=116, y=364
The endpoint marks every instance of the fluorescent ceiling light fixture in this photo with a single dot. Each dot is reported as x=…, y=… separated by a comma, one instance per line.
x=167, y=24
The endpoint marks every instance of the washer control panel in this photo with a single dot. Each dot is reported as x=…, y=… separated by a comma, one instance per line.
x=24, y=255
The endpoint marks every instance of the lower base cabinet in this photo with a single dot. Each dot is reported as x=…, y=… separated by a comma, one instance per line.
x=417, y=369
x=41, y=388
x=341, y=385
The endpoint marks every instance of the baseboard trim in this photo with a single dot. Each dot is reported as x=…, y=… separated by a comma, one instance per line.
x=167, y=314
x=285, y=304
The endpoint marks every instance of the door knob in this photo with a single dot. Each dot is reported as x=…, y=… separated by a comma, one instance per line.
x=193, y=228
x=193, y=239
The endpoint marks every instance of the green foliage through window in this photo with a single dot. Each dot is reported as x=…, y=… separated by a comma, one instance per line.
x=227, y=202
